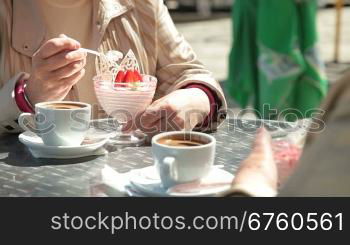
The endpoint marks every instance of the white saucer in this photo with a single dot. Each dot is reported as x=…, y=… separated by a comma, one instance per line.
x=89, y=147
x=146, y=182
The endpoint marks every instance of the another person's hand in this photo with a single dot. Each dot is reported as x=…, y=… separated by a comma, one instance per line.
x=257, y=175
x=182, y=109
x=56, y=67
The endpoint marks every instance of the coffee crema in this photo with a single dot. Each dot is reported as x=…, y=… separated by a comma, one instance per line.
x=180, y=142
x=64, y=106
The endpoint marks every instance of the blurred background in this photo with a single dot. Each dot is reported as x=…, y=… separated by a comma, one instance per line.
x=206, y=24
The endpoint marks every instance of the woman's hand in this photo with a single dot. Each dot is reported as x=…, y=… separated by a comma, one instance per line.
x=56, y=67
x=182, y=109
x=257, y=174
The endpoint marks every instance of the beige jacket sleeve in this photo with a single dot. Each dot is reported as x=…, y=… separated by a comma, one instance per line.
x=324, y=168
x=177, y=63
x=9, y=110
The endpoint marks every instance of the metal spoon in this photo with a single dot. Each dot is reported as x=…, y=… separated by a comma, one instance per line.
x=90, y=51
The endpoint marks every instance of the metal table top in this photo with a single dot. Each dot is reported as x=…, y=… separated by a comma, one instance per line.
x=23, y=175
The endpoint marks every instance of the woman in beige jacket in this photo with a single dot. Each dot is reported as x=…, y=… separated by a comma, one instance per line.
x=33, y=49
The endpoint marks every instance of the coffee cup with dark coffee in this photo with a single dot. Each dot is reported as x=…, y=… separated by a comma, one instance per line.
x=182, y=157
x=59, y=123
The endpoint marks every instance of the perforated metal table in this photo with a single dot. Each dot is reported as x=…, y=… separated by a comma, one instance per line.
x=23, y=175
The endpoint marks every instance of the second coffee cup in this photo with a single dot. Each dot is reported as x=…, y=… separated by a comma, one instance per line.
x=182, y=157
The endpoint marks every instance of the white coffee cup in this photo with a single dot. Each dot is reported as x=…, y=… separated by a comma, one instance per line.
x=58, y=123
x=183, y=164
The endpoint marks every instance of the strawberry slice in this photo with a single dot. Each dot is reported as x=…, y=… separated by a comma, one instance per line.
x=129, y=77
x=120, y=77
x=137, y=76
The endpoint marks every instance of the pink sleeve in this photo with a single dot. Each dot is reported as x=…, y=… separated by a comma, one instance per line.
x=20, y=99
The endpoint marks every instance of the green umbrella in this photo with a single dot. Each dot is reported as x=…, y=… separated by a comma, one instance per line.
x=275, y=63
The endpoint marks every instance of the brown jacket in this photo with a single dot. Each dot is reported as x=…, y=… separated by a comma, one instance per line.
x=143, y=26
